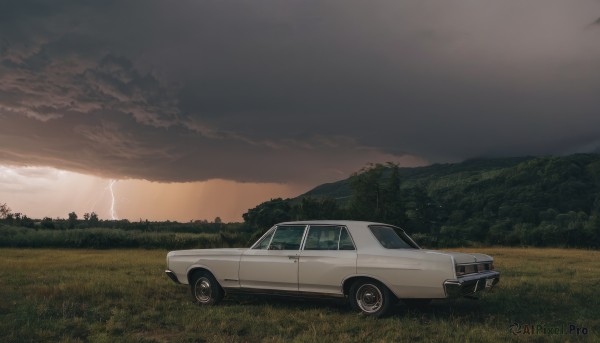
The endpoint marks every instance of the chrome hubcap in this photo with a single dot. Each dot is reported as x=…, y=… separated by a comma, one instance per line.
x=202, y=290
x=369, y=298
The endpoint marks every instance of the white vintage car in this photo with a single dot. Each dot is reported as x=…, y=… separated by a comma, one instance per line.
x=370, y=264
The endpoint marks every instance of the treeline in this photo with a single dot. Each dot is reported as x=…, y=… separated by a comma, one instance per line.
x=105, y=238
x=91, y=220
x=549, y=201
x=19, y=231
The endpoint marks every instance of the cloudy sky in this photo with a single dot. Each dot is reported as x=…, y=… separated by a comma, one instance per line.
x=206, y=108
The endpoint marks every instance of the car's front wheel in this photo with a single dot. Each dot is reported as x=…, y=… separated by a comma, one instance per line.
x=371, y=297
x=205, y=289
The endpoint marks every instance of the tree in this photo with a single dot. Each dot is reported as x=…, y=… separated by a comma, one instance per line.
x=94, y=219
x=312, y=209
x=309, y=209
x=393, y=204
x=10, y=218
x=366, y=202
x=72, y=220
x=4, y=211
x=377, y=194
x=47, y=223
x=26, y=221
x=268, y=213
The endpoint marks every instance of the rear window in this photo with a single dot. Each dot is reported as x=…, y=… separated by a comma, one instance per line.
x=391, y=237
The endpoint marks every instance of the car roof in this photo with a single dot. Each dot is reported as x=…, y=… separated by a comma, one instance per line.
x=334, y=222
x=362, y=237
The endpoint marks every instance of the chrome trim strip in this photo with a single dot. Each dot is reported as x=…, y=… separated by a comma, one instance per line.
x=304, y=236
x=488, y=274
x=261, y=238
x=274, y=292
x=470, y=284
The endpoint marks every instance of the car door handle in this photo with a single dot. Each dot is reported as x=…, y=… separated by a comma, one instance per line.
x=295, y=258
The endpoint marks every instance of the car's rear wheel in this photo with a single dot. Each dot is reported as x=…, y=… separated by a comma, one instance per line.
x=206, y=290
x=371, y=297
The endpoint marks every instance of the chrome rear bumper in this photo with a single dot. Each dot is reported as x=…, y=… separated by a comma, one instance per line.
x=172, y=276
x=471, y=284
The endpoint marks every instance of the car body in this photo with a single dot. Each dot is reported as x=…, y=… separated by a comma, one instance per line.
x=370, y=264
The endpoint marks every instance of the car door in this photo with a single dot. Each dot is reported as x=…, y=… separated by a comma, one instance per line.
x=328, y=257
x=273, y=264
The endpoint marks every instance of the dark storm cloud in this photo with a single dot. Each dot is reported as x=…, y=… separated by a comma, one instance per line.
x=294, y=90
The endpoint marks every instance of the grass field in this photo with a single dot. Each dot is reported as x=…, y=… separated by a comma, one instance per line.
x=123, y=296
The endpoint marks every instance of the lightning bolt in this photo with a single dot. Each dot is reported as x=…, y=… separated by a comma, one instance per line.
x=112, y=195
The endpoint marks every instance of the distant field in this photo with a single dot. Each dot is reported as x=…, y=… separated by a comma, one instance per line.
x=123, y=296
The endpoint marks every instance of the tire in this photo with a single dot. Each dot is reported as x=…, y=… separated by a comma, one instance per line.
x=371, y=298
x=416, y=303
x=206, y=291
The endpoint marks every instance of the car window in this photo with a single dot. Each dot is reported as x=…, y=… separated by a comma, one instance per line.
x=328, y=238
x=287, y=238
x=264, y=243
x=322, y=238
x=346, y=242
x=391, y=237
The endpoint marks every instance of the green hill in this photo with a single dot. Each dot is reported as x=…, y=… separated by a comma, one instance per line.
x=511, y=201
x=342, y=191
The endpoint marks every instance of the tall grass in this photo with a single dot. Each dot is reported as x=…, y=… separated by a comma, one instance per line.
x=51, y=295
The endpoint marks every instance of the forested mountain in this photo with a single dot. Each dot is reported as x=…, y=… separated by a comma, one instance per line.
x=552, y=201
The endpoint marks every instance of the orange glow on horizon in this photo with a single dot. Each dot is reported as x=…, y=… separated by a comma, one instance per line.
x=196, y=200
x=47, y=192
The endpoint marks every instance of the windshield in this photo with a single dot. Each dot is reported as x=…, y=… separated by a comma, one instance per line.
x=392, y=237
